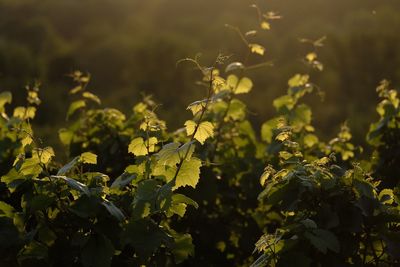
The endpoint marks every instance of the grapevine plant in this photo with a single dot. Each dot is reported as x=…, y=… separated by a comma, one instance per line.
x=126, y=191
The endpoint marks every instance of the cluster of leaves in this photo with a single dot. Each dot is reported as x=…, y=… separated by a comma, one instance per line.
x=319, y=207
x=133, y=193
x=80, y=213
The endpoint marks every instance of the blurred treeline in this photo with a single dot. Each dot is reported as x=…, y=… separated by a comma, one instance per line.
x=131, y=47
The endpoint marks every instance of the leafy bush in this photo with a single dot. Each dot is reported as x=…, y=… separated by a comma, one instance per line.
x=132, y=193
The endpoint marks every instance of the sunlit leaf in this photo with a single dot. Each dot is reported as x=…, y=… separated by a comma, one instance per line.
x=5, y=98
x=203, y=131
x=189, y=173
x=244, y=86
x=44, y=154
x=75, y=106
x=138, y=147
x=92, y=97
x=234, y=66
x=88, y=158
x=74, y=184
x=298, y=80
x=265, y=25
x=257, y=49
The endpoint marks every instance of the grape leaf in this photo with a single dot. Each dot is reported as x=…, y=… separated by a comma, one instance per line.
x=204, y=130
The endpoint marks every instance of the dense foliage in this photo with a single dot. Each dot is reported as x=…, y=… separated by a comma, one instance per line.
x=125, y=191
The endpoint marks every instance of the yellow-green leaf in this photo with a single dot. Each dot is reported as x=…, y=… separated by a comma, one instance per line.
x=265, y=25
x=257, y=49
x=5, y=97
x=189, y=173
x=244, y=86
x=92, y=97
x=89, y=158
x=298, y=80
x=75, y=106
x=204, y=130
x=138, y=147
x=44, y=154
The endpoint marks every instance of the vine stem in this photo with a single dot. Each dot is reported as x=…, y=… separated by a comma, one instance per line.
x=203, y=111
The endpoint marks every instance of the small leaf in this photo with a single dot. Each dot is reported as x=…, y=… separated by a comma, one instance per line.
x=113, y=210
x=123, y=180
x=386, y=196
x=88, y=158
x=92, y=97
x=244, y=86
x=257, y=49
x=5, y=98
x=265, y=25
x=311, y=57
x=44, y=154
x=137, y=147
x=75, y=106
x=310, y=140
x=183, y=248
x=298, y=80
x=66, y=168
x=74, y=184
x=169, y=155
x=204, y=130
x=65, y=136
x=179, y=198
x=75, y=90
x=234, y=66
x=6, y=210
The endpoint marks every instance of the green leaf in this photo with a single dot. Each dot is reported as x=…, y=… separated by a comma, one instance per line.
x=31, y=166
x=33, y=250
x=298, y=80
x=179, y=198
x=323, y=240
x=24, y=113
x=189, y=173
x=169, y=155
x=310, y=140
x=234, y=66
x=6, y=210
x=65, y=136
x=386, y=196
x=88, y=158
x=74, y=184
x=40, y=202
x=267, y=129
x=265, y=25
x=244, y=86
x=5, y=98
x=183, y=248
x=138, y=147
x=204, y=130
x=97, y=252
x=237, y=110
x=113, y=210
x=66, y=168
x=123, y=180
x=44, y=154
x=75, y=106
x=92, y=97
x=257, y=49
x=145, y=236
x=197, y=106
x=284, y=101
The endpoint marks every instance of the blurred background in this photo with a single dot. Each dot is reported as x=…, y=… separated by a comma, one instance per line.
x=130, y=47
